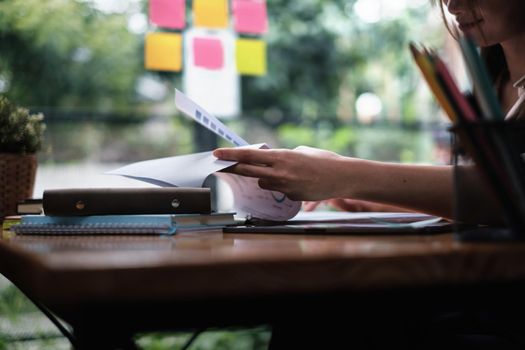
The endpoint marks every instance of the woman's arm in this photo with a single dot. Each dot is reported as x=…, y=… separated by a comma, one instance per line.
x=311, y=174
x=355, y=205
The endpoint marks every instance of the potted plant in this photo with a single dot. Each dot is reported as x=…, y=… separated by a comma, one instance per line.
x=21, y=136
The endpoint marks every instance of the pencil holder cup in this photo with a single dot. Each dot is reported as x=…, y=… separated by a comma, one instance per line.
x=489, y=180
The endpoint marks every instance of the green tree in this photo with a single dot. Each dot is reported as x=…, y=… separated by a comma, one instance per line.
x=66, y=53
x=318, y=49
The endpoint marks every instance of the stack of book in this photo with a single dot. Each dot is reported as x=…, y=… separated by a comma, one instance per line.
x=139, y=211
x=496, y=146
x=7, y=223
x=29, y=206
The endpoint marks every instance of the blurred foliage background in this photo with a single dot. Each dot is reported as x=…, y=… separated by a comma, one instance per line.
x=340, y=77
x=81, y=63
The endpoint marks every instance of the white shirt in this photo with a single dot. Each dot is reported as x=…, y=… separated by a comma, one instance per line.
x=518, y=110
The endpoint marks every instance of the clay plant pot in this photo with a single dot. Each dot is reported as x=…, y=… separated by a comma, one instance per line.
x=17, y=180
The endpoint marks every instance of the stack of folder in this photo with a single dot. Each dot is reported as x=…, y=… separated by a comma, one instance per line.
x=495, y=146
x=142, y=211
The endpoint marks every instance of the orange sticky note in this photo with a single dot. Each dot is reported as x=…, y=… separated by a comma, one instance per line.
x=163, y=51
x=168, y=13
x=251, y=56
x=210, y=13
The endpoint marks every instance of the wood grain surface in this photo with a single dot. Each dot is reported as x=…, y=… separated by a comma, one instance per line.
x=198, y=265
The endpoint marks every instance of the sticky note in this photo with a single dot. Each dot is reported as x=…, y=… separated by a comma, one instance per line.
x=210, y=13
x=251, y=56
x=208, y=53
x=168, y=13
x=250, y=16
x=163, y=51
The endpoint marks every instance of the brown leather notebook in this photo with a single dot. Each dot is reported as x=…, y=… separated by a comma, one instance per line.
x=126, y=201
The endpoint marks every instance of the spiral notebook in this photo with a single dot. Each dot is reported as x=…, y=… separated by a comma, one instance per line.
x=165, y=224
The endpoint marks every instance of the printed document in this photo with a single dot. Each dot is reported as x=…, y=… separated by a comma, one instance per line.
x=192, y=170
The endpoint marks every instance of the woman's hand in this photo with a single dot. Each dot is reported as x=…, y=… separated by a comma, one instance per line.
x=302, y=174
x=354, y=205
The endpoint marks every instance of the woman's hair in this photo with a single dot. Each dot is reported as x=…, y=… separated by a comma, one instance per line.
x=492, y=55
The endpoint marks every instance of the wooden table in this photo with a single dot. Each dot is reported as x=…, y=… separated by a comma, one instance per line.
x=113, y=287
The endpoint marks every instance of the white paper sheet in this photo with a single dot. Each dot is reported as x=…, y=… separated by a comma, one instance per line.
x=249, y=200
x=192, y=170
x=218, y=91
x=185, y=171
x=210, y=122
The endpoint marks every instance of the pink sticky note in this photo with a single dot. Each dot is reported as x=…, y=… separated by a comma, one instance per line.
x=250, y=16
x=168, y=13
x=208, y=53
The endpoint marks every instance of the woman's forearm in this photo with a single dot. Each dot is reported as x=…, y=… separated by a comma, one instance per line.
x=416, y=187
x=428, y=189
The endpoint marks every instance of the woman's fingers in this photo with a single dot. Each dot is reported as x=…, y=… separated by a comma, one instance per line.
x=310, y=206
x=265, y=184
x=251, y=170
x=252, y=156
x=252, y=162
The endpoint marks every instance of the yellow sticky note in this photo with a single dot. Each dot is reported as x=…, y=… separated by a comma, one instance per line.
x=163, y=51
x=251, y=57
x=210, y=13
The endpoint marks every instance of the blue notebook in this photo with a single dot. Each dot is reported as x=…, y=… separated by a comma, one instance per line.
x=165, y=224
